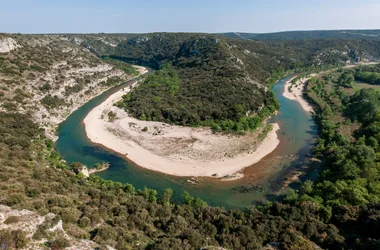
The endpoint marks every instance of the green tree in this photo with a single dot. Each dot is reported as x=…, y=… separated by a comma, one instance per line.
x=307, y=187
x=168, y=193
x=346, y=79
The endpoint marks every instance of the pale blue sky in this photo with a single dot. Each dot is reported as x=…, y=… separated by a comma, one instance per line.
x=132, y=16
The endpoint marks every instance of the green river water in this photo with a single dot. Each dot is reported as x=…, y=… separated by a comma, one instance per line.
x=262, y=181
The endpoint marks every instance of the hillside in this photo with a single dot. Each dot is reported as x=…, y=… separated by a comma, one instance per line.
x=48, y=77
x=305, y=35
x=259, y=58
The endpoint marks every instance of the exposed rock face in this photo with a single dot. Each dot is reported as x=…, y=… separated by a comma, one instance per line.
x=24, y=220
x=8, y=44
x=79, y=168
x=29, y=221
x=84, y=171
x=56, y=76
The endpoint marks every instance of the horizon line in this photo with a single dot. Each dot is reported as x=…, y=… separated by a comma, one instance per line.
x=189, y=32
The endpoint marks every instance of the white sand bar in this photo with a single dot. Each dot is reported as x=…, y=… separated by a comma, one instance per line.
x=295, y=92
x=175, y=150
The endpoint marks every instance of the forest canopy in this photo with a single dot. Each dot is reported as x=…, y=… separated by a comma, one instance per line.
x=164, y=96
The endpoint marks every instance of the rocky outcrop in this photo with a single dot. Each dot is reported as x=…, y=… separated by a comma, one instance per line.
x=85, y=172
x=29, y=222
x=8, y=44
x=79, y=168
x=56, y=76
x=25, y=220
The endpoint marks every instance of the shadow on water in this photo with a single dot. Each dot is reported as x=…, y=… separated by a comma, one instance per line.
x=297, y=133
x=275, y=197
x=295, y=185
x=101, y=153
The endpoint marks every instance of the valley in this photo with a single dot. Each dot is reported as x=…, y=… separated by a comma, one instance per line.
x=213, y=141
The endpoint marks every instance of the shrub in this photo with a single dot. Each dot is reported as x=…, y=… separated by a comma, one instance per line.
x=51, y=102
x=15, y=198
x=59, y=243
x=112, y=116
x=84, y=221
x=45, y=88
x=69, y=215
x=13, y=239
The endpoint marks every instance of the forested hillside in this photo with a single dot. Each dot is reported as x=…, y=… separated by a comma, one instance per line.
x=115, y=214
x=303, y=35
x=258, y=58
x=48, y=77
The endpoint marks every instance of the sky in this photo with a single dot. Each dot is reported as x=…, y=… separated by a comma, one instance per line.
x=132, y=16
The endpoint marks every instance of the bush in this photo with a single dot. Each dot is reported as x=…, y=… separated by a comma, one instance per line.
x=59, y=243
x=13, y=239
x=14, y=199
x=111, y=116
x=84, y=221
x=45, y=88
x=69, y=215
x=51, y=102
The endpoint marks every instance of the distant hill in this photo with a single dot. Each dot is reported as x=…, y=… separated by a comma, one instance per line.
x=300, y=35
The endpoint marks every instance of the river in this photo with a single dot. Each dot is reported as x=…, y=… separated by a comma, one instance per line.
x=262, y=181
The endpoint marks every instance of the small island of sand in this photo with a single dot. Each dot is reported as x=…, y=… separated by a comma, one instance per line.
x=295, y=92
x=175, y=150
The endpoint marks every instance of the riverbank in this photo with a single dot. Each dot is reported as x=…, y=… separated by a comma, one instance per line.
x=51, y=121
x=142, y=70
x=295, y=92
x=175, y=150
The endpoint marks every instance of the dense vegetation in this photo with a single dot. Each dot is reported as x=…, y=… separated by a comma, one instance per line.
x=349, y=182
x=368, y=74
x=118, y=215
x=164, y=97
x=256, y=58
x=127, y=68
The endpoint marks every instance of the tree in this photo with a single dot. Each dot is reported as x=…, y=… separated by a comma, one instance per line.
x=149, y=194
x=194, y=202
x=307, y=187
x=167, y=196
x=346, y=79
